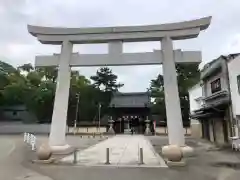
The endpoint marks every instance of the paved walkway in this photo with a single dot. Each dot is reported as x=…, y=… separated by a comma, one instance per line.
x=124, y=151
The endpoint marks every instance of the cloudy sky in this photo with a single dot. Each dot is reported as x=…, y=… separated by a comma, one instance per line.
x=17, y=46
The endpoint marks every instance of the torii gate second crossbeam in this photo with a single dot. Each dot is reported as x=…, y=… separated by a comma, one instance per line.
x=123, y=59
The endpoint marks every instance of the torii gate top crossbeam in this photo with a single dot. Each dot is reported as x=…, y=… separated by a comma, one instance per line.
x=177, y=31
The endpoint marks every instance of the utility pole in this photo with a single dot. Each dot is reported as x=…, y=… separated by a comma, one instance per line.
x=99, y=115
x=76, y=115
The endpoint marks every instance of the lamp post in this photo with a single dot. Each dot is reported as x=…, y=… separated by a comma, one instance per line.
x=76, y=115
x=120, y=125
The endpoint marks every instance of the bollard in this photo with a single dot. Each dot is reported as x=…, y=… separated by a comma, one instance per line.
x=31, y=139
x=28, y=137
x=141, y=156
x=33, y=142
x=107, y=156
x=75, y=156
x=25, y=137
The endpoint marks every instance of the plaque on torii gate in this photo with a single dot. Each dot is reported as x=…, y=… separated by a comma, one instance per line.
x=115, y=36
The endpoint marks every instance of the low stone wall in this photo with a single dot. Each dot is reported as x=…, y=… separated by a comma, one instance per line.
x=19, y=128
x=87, y=130
x=164, y=131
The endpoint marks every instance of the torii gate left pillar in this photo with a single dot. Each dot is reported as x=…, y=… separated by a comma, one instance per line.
x=59, y=117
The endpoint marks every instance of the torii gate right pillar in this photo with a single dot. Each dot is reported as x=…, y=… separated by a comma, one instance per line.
x=172, y=102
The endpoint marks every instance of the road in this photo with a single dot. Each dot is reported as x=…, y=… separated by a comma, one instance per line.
x=11, y=158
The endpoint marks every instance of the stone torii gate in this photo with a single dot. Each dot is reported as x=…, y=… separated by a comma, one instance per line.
x=115, y=37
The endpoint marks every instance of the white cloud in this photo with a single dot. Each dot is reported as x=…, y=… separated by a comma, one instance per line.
x=232, y=45
x=17, y=46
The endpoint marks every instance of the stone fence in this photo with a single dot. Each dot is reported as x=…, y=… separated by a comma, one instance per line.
x=164, y=130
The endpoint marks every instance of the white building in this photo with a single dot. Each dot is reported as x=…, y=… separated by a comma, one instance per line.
x=195, y=97
x=234, y=81
x=215, y=102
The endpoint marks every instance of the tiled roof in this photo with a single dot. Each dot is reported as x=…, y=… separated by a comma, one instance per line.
x=226, y=57
x=141, y=99
x=215, y=64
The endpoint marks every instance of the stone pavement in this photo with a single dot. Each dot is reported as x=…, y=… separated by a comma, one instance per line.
x=198, y=167
x=124, y=151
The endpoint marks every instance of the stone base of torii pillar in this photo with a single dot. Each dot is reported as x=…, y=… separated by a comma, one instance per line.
x=60, y=149
x=187, y=151
x=58, y=143
x=174, y=154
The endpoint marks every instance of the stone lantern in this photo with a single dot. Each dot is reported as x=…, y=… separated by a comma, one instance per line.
x=147, y=130
x=111, y=130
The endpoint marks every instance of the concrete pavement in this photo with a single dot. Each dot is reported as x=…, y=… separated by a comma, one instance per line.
x=198, y=167
x=16, y=164
x=11, y=157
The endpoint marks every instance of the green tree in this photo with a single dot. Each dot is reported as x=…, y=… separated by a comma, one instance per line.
x=41, y=102
x=104, y=77
x=89, y=96
x=34, y=78
x=11, y=85
x=157, y=93
x=48, y=73
x=29, y=86
x=7, y=68
x=35, y=88
x=41, y=83
x=26, y=67
x=187, y=75
x=5, y=71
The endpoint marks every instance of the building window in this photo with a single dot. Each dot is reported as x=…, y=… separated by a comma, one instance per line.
x=216, y=85
x=238, y=83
